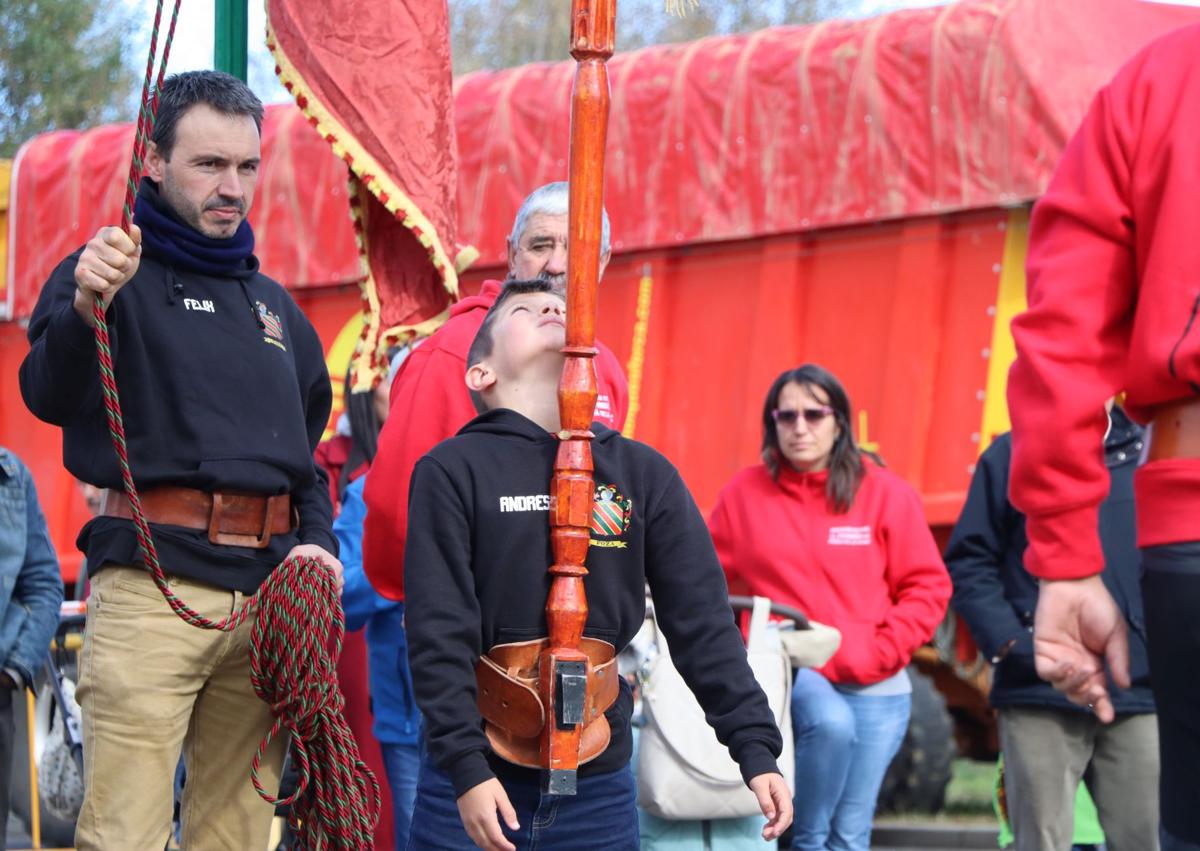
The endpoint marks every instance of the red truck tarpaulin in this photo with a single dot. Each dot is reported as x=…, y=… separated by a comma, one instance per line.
x=788, y=129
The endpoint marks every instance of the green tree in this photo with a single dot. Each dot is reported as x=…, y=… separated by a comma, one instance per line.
x=62, y=65
x=504, y=33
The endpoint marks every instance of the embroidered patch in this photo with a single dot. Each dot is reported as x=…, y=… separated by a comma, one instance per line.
x=270, y=321
x=850, y=536
x=611, y=512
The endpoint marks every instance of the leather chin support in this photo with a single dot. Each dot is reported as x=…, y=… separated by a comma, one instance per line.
x=507, y=680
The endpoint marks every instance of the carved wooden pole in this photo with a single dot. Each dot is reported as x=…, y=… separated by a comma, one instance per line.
x=564, y=669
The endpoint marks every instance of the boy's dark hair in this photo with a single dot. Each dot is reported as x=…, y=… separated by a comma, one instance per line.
x=482, y=345
x=180, y=92
x=846, y=468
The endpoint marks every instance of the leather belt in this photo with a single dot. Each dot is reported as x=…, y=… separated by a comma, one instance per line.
x=510, y=703
x=1174, y=431
x=232, y=519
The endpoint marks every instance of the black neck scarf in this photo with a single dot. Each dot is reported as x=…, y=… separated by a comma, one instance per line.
x=172, y=239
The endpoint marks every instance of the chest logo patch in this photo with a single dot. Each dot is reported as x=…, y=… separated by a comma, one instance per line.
x=850, y=536
x=611, y=514
x=271, y=325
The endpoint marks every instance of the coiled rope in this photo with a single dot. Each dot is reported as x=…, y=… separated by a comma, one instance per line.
x=296, y=636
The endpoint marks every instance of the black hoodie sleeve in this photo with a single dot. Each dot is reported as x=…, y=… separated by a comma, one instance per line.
x=442, y=618
x=691, y=603
x=311, y=498
x=975, y=556
x=59, y=377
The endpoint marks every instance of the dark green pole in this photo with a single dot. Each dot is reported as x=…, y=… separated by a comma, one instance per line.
x=229, y=44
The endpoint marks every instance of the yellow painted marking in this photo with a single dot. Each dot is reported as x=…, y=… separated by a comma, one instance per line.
x=1010, y=300
x=864, y=442
x=337, y=362
x=637, y=354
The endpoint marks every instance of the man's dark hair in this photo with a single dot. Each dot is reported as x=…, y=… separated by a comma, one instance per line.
x=180, y=92
x=482, y=345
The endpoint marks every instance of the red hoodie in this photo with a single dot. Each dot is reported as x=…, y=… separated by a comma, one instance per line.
x=429, y=404
x=1114, y=288
x=873, y=572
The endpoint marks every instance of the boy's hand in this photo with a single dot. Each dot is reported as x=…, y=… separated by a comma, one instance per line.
x=775, y=799
x=477, y=808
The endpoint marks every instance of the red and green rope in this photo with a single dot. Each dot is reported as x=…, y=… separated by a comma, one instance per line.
x=296, y=636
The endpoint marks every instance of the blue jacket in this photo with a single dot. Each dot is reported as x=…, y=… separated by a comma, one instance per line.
x=397, y=720
x=31, y=588
x=996, y=596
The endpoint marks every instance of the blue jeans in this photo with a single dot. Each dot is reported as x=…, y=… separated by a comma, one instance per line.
x=401, y=762
x=602, y=815
x=1169, y=842
x=844, y=744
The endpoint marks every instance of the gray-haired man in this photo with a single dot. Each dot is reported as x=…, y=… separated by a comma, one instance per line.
x=430, y=393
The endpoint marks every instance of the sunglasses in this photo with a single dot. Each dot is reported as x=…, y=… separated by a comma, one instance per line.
x=812, y=416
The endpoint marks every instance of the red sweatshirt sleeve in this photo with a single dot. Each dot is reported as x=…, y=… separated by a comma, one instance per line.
x=916, y=577
x=1072, y=342
x=429, y=404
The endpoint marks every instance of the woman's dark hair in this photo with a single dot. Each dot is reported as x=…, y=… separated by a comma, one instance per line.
x=364, y=431
x=845, y=461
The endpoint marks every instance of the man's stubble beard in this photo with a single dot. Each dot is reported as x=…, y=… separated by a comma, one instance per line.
x=192, y=214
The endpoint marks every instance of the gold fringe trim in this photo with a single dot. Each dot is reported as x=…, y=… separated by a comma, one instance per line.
x=466, y=257
x=374, y=341
x=680, y=8
x=368, y=176
x=364, y=166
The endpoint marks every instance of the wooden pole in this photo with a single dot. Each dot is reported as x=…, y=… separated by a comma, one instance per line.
x=564, y=669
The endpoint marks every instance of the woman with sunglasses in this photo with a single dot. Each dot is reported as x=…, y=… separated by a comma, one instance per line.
x=820, y=526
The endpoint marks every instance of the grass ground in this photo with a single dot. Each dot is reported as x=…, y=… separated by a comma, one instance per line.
x=970, y=790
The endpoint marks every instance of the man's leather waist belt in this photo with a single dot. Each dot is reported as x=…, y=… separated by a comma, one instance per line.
x=1175, y=431
x=232, y=519
x=511, y=704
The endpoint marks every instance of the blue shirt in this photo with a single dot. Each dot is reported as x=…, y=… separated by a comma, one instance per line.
x=397, y=720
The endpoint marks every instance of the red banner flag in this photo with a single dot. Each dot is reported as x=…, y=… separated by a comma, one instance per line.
x=373, y=77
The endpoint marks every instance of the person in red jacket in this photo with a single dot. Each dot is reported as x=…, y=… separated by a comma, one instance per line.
x=821, y=527
x=1114, y=289
x=430, y=387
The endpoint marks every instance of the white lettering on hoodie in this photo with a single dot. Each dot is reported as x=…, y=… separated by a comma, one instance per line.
x=532, y=502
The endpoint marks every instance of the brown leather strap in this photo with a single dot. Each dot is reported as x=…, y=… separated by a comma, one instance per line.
x=508, y=699
x=1175, y=431
x=232, y=519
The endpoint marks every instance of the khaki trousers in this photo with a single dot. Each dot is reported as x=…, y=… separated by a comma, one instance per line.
x=150, y=686
x=1048, y=751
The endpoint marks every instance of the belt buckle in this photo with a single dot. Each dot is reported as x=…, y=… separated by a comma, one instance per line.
x=232, y=539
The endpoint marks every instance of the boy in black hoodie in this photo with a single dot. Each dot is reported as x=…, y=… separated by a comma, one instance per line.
x=476, y=576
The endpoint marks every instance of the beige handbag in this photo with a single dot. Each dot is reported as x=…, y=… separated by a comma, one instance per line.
x=812, y=647
x=684, y=773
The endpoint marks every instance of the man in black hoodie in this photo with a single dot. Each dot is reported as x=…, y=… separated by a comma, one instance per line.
x=1049, y=743
x=475, y=572
x=225, y=396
